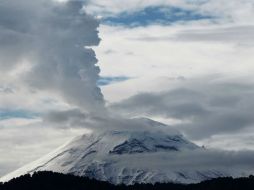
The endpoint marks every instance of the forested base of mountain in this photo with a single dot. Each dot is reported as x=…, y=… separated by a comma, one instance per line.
x=56, y=181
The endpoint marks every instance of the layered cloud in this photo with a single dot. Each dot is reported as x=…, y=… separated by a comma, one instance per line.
x=202, y=108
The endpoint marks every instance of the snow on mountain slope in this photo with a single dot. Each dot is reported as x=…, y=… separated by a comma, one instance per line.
x=130, y=156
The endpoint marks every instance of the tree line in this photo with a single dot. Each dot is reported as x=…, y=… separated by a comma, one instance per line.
x=57, y=181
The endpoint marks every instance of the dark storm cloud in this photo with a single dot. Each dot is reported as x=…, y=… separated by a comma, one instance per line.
x=210, y=107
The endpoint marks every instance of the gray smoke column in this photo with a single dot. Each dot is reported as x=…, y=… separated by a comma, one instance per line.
x=53, y=38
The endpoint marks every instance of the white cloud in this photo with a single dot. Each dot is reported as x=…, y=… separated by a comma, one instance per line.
x=178, y=51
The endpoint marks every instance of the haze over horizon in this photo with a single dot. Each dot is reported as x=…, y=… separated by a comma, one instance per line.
x=66, y=64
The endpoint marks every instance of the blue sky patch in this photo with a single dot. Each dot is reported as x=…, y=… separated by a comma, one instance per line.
x=8, y=114
x=104, y=81
x=151, y=15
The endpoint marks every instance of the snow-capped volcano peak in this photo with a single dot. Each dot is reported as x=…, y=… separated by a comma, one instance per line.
x=147, y=142
x=160, y=154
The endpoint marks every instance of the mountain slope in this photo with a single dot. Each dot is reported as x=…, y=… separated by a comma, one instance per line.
x=131, y=156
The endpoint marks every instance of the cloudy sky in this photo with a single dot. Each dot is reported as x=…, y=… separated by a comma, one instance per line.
x=63, y=63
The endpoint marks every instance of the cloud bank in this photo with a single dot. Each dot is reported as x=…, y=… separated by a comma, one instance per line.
x=203, y=107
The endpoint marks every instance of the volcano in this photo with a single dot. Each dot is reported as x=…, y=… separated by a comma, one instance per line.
x=157, y=153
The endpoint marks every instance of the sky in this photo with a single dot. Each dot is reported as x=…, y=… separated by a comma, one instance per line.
x=187, y=63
